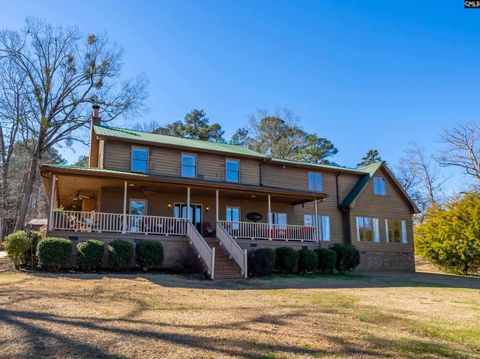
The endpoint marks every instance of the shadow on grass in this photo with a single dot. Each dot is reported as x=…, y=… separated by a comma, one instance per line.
x=47, y=334
x=286, y=281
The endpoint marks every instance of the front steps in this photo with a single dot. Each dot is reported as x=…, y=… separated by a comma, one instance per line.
x=225, y=267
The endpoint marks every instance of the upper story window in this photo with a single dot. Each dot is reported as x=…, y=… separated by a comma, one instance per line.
x=315, y=181
x=379, y=186
x=232, y=170
x=139, y=160
x=189, y=165
x=368, y=229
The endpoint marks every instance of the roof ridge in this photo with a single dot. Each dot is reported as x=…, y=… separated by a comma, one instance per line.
x=171, y=136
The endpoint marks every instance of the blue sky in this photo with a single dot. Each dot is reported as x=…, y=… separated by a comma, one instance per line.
x=365, y=74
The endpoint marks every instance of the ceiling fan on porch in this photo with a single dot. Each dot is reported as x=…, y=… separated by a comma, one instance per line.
x=147, y=192
x=79, y=197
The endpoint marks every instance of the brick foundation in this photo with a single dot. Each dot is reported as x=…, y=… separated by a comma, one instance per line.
x=385, y=261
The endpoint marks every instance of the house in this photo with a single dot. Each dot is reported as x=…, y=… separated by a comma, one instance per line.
x=217, y=201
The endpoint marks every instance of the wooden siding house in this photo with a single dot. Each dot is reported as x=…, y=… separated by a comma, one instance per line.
x=218, y=201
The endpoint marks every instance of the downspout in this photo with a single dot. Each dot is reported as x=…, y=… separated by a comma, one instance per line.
x=347, y=225
x=260, y=169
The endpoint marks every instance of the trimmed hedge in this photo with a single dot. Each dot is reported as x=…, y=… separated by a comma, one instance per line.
x=120, y=254
x=90, y=254
x=149, y=254
x=307, y=261
x=21, y=246
x=286, y=260
x=261, y=261
x=54, y=253
x=326, y=260
x=348, y=257
x=16, y=245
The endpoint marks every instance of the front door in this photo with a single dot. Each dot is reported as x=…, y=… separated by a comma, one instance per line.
x=138, y=208
x=180, y=211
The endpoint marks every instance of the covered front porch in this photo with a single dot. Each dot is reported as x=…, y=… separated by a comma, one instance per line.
x=89, y=204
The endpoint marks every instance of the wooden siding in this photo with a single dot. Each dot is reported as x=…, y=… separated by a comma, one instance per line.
x=391, y=206
x=328, y=207
x=167, y=162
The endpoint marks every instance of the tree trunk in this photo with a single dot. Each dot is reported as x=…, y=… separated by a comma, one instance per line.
x=27, y=192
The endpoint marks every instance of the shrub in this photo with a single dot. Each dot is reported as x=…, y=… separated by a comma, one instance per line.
x=449, y=237
x=326, y=260
x=20, y=246
x=286, y=259
x=54, y=253
x=120, y=254
x=261, y=261
x=149, y=254
x=89, y=254
x=348, y=257
x=307, y=261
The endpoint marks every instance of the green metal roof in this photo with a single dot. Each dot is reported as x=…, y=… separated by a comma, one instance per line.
x=94, y=169
x=369, y=172
x=174, y=141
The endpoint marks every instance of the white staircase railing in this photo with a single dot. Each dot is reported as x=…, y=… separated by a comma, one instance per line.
x=238, y=254
x=203, y=249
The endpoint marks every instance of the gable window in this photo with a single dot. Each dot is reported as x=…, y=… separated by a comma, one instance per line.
x=232, y=170
x=189, y=165
x=379, y=186
x=367, y=229
x=139, y=159
x=315, y=181
x=395, y=231
x=323, y=225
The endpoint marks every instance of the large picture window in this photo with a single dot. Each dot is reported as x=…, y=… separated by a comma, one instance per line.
x=379, y=186
x=189, y=165
x=367, y=229
x=315, y=181
x=139, y=160
x=395, y=231
x=232, y=171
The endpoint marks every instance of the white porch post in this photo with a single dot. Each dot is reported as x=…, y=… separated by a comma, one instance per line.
x=269, y=218
x=217, y=209
x=52, y=202
x=188, y=204
x=125, y=189
x=317, y=232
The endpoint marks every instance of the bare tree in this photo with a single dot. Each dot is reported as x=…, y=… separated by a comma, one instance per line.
x=65, y=73
x=463, y=149
x=12, y=114
x=421, y=177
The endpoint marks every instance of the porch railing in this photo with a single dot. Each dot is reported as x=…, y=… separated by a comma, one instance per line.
x=238, y=254
x=114, y=222
x=286, y=232
x=203, y=249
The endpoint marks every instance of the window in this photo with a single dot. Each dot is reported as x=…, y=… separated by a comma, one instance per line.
x=315, y=181
x=368, y=229
x=323, y=225
x=139, y=160
x=232, y=171
x=138, y=207
x=395, y=231
x=189, y=165
x=233, y=215
x=379, y=186
x=279, y=218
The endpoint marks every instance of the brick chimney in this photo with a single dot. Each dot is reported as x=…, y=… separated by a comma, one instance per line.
x=94, y=145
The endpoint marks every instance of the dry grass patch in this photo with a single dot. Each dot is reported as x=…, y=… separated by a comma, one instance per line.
x=164, y=316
